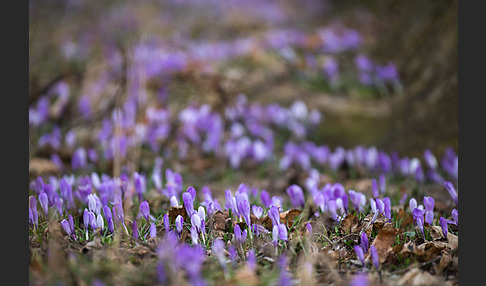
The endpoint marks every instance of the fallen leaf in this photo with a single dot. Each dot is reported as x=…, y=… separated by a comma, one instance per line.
x=350, y=224
x=384, y=240
x=429, y=250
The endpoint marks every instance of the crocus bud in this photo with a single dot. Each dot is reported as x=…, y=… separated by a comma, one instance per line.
x=201, y=212
x=188, y=203
x=145, y=210
x=65, y=225
x=44, y=202
x=174, y=202
x=443, y=225
x=194, y=235
x=452, y=191
x=364, y=242
x=152, y=231
x=245, y=211
x=179, y=222
x=359, y=254
x=92, y=221
x=412, y=204
x=308, y=226
x=265, y=198
x=374, y=188
x=166, y=223
x=296, y=195
x=100, y=222
x=274, y=215
x=86, y=220
x=196, y=222
x=455, y=216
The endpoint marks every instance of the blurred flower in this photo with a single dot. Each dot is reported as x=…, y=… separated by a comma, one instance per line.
x=374, y=188
x=257, y=211
x=274, y=215
x=194, y=235
x=43, y=200
x=244, y=207
x=443, y=225
x=364, y=242
x=188, y=203
x=239, y=235
x=145, y=210
x=166, y=222
x=308, y=226
x=265, y=199
x=455, y=216
x=152, y=231
x=429, y=209
x=296, y=195
x=179, y=222
x=359, y=279
x=452, y=191
x=374, y=257
x=135, y=230
x=359, y=254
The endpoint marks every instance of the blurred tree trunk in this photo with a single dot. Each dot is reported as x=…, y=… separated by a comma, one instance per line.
x=423, y=41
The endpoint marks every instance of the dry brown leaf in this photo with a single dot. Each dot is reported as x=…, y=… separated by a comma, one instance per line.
x=416, y=277
x=384, y=240
x=350, y=224
x=218, y=226
x=444, y=263
x=429, y=250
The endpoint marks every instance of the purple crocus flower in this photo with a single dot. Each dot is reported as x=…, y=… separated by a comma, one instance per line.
x=145, y=210
x=44, y=202
x=196, y=222
x=455, y=216
x=429, y=209
x=296, y=195
x=194, y=235
x=374, y=188
x=443, y=225
x=374, y=257
x=67, y=228
x=166, y=222
x=191, y=260
x=86, y=221
x=359, y=280
x=282, y=232
x=257, y=211
x=364, y=242
x=380, y=205
x=244, y=207
x=139, y=182
x=179, y=222
x=412, y=204
x=387, y=202
x=275, y=235
x=359, y=254
x=135, y=230
x=274, y=215
x=71, y=224
x=93, y=223
x=418, y=216
x=152, y=231
x=218, y=251
x=265, y=198
x=308, y=226
x=188, y=203
x=452, y=191
x=382, y=180
x=239, y=235
x=430, y=159
x=251, y=259
x=191, y=190
x=233, y=254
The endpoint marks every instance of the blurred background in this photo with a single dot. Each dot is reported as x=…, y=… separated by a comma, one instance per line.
x=382, y=73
